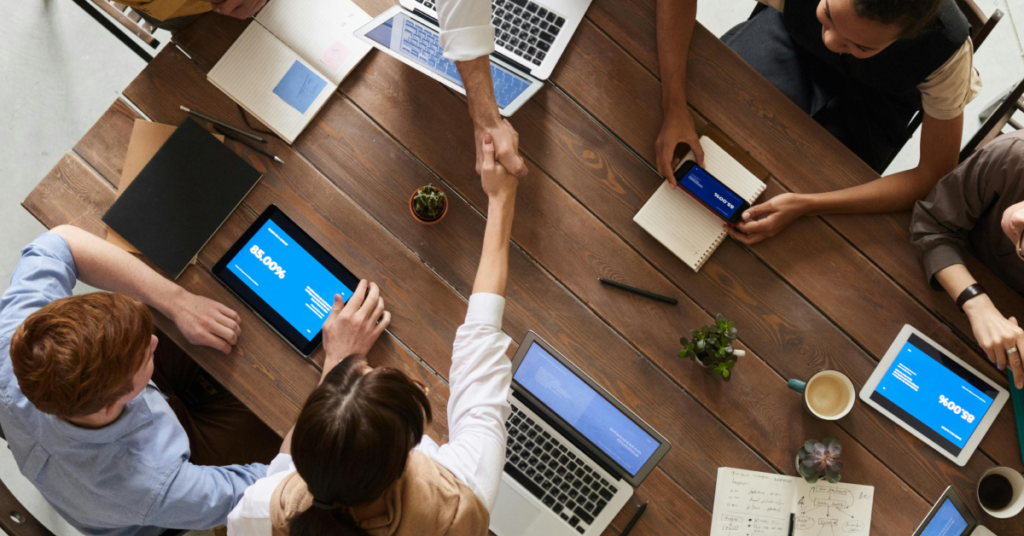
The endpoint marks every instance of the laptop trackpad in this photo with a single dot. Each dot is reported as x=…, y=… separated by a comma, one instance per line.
x=512, y=514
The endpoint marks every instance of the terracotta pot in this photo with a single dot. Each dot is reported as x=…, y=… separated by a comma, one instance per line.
x=412, y=210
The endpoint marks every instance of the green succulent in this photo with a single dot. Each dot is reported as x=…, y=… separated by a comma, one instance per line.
x=712, y=346
x=820, y=460
x=429, y=202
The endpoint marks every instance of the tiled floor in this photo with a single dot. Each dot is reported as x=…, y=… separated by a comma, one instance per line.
x=61, y=70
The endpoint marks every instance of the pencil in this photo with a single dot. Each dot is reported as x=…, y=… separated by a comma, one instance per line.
x=247, y=144
x=636, y=517
x=635, y=290
x=221, y=123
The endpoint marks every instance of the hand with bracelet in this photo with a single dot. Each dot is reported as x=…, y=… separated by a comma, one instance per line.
x=1000, y=337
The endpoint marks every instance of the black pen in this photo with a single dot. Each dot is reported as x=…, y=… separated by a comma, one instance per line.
x=247, y=144
x=791, y=518
x=635, y=290
x=636, y=517
x=186, y=109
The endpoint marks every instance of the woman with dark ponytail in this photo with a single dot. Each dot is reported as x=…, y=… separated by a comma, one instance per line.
x=357, y=462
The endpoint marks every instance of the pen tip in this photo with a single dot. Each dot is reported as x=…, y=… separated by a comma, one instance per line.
x=185, y=108
x=278, y=159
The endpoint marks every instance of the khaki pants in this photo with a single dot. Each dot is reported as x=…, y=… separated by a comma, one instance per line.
x=221, y=429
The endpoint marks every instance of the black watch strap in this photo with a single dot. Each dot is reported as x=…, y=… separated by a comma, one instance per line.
x=968, y=293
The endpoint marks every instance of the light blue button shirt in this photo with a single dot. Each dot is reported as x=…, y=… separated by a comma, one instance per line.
x=124, y=479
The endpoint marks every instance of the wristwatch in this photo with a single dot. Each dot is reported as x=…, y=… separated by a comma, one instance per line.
x=968, y=293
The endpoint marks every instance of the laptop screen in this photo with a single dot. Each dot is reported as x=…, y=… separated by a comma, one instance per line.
x=947, y=521
x=421, y=44
x=604, y=425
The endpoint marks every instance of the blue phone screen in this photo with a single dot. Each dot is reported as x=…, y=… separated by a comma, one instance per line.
x=712, y=192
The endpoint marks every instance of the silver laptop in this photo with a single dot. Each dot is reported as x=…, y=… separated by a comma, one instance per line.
x=531, y=34
x=575, y=453
x=950, y=517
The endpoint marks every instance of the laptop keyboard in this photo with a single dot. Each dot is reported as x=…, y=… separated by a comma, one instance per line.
x=564, y=482
x=424, y=46
x=523, y=27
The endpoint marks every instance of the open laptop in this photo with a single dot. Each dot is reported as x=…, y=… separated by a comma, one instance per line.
x=530, y=34
x=575, y=453
x=950, y=517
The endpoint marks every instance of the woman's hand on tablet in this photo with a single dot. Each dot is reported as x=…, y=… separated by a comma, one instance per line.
x=353, y=327
x=206, y=322
x=996, y=334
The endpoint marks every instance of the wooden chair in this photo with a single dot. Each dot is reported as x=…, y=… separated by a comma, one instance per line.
x=128, y=19
x=1000, y=114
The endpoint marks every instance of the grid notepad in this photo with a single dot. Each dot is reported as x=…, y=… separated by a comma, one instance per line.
x=314, y=33
x=684, y=226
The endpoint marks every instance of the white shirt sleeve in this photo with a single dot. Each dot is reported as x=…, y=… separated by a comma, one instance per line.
x=466, y=30
x=480, y=379
x=251, y=516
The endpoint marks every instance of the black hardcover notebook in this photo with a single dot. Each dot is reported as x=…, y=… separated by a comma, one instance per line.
x=182, y=196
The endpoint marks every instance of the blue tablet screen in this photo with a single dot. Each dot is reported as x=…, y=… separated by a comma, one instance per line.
x=288, y=278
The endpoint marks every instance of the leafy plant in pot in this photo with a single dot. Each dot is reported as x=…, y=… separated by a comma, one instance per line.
x=711, y=347
x=816, y=460
x=428, y=205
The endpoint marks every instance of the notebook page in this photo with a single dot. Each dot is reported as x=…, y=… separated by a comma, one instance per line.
x=320, y=31
x=842, y=508
x=683, y=225
x=255, y=66
x=749, y=503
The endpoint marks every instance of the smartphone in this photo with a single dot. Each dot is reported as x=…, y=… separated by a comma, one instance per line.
x=710, y=192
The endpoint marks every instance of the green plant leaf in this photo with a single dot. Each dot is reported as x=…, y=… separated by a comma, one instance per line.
x=726, y=374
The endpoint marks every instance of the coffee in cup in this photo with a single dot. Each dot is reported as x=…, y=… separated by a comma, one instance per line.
x=828, y=395
x=1001, y=492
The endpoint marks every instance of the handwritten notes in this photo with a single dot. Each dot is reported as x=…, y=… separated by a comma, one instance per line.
x=300, y=87
x=748, y=503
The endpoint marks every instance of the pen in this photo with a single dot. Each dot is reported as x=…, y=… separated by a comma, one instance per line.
x=635, y=290
x=636, y=517
x=247, y=144
x=791, y=518
x=221, y=123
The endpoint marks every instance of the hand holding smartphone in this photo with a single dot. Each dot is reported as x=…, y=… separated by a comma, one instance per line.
x=710, y=192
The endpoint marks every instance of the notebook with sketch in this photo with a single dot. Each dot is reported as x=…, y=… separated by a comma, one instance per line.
x=285, y=66
x=681, y=223
x=749, y=503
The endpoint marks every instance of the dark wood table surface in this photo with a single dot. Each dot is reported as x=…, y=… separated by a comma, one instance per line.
x=829, y=292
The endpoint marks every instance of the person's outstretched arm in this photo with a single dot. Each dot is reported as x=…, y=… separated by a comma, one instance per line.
x=676, y=19
x=500, y=187
x=467, y=37
x=101, y=264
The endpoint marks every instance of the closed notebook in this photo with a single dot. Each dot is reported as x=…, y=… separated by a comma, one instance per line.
x=683, y=225
x=287, y=63
x=181, y=197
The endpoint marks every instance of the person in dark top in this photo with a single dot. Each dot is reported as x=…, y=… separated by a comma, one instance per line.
x=861, y=69
x=979, y=207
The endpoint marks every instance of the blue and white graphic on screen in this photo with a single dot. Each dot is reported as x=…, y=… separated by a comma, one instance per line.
x=288, y=278
x=713, y=193
x=423, y=45
x=934, y=395
x=579, y=405
x=947, y=522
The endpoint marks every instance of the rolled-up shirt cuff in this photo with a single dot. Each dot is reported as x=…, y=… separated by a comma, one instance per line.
x=486, y=309
x=468, y=43
x=939, y=257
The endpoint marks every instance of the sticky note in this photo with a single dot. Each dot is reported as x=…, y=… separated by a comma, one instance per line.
x=335, y=55
x=300, y=87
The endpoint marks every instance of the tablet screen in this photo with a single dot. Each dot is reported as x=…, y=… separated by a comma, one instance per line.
x=947, y=521
x=283, y=274
x=934, y=394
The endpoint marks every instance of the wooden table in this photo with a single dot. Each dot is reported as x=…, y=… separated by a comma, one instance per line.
x=830, y=292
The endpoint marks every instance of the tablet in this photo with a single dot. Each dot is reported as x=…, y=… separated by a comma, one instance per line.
x=934, y=395
x=285, y=277
x=949, y=517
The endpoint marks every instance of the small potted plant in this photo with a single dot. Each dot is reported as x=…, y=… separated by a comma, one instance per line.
x=820, y=460
x=428, y=205
x=711, y=347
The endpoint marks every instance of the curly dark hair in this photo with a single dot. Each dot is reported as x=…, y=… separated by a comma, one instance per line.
x=914, y=16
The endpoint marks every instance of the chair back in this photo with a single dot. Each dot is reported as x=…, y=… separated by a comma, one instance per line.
x=1001, y=115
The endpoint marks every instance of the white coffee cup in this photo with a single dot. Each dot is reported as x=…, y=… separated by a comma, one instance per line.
x=1017, y=502
x=828, y=395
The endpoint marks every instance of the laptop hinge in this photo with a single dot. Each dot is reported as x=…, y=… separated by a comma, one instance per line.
x=585, y=448
x=511, y=61
x=429, y=18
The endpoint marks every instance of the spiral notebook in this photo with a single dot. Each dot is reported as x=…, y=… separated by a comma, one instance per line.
x=684, y=226
x=287, y=63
